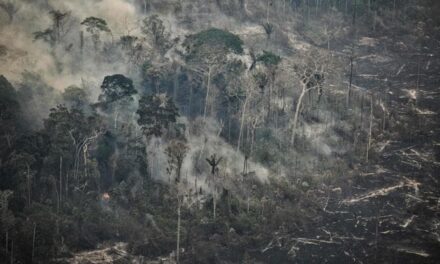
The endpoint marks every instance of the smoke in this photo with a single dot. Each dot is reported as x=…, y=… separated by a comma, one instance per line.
x=62, y=65
x=203, y=141
x=66, y=64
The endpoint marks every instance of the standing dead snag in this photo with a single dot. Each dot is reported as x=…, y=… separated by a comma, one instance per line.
x=243, y=116
x=214, y=162
x=176, y=152
x=311, y=77
x=350, y=83
x=10, y=8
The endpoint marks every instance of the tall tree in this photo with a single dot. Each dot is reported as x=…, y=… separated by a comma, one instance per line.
x=54, y=34
x=310, y=75
x=116, y=96
x=95, y=26
x=213, y=162
x=10, y=8
x=270, y=62
x=68, y=131
x=9, y=115
x=156, y=113
x=206, y=53
x=176, y=152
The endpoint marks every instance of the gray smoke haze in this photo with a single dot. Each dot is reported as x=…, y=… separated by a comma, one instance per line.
x=59, y=66
x=203, y=141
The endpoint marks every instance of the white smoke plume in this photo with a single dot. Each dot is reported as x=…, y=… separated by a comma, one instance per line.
x=202, y=143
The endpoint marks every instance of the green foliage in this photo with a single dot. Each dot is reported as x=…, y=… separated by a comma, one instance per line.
x=106, y=147
x=116, y=88
x=213, y=41
x=269, y=59
x=267, y=150
x=94, y=25
x=9, y=106
x=261, y=79
x=156, y=113
x=176, y=152
x=52, y=34
x=235, y=68
x=46, y=36
x=128, y=42
x=75, y=97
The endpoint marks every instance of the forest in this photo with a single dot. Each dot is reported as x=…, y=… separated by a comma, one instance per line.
x=219, y=131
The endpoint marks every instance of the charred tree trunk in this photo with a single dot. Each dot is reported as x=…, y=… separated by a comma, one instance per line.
x=370, y=129
x=61, y=179
x=29, y=184
x=33, y=243
x=350, y=82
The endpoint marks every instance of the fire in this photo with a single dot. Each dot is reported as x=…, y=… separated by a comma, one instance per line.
x=105, y=197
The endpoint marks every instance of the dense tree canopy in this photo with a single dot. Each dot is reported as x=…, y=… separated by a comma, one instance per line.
x=116, y=88
x=156, y=113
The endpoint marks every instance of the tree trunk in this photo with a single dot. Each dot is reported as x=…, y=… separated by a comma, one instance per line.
x=267, y=11
x=61, y=181
x=67, y=186
x=81, y=41
x=316, y=7
x=269, y=99
x=190, y=100
x=176, y=84
x=7, y=242
x=207, y=93
x=12, y=252
x=197, y=193
x=394, y=9
x=362, y=111
x=284, y=7
x=116, y=119
x=295, y=118
x=308, y=10
x=371, y=127
x=354, y=12
x=374, y=20
x=178, y=230
x=33, y=243
x=328, y=40
x=243, y=116
x=350, y=82
x=29, y=184
x=214, y=203
x=229, y=120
